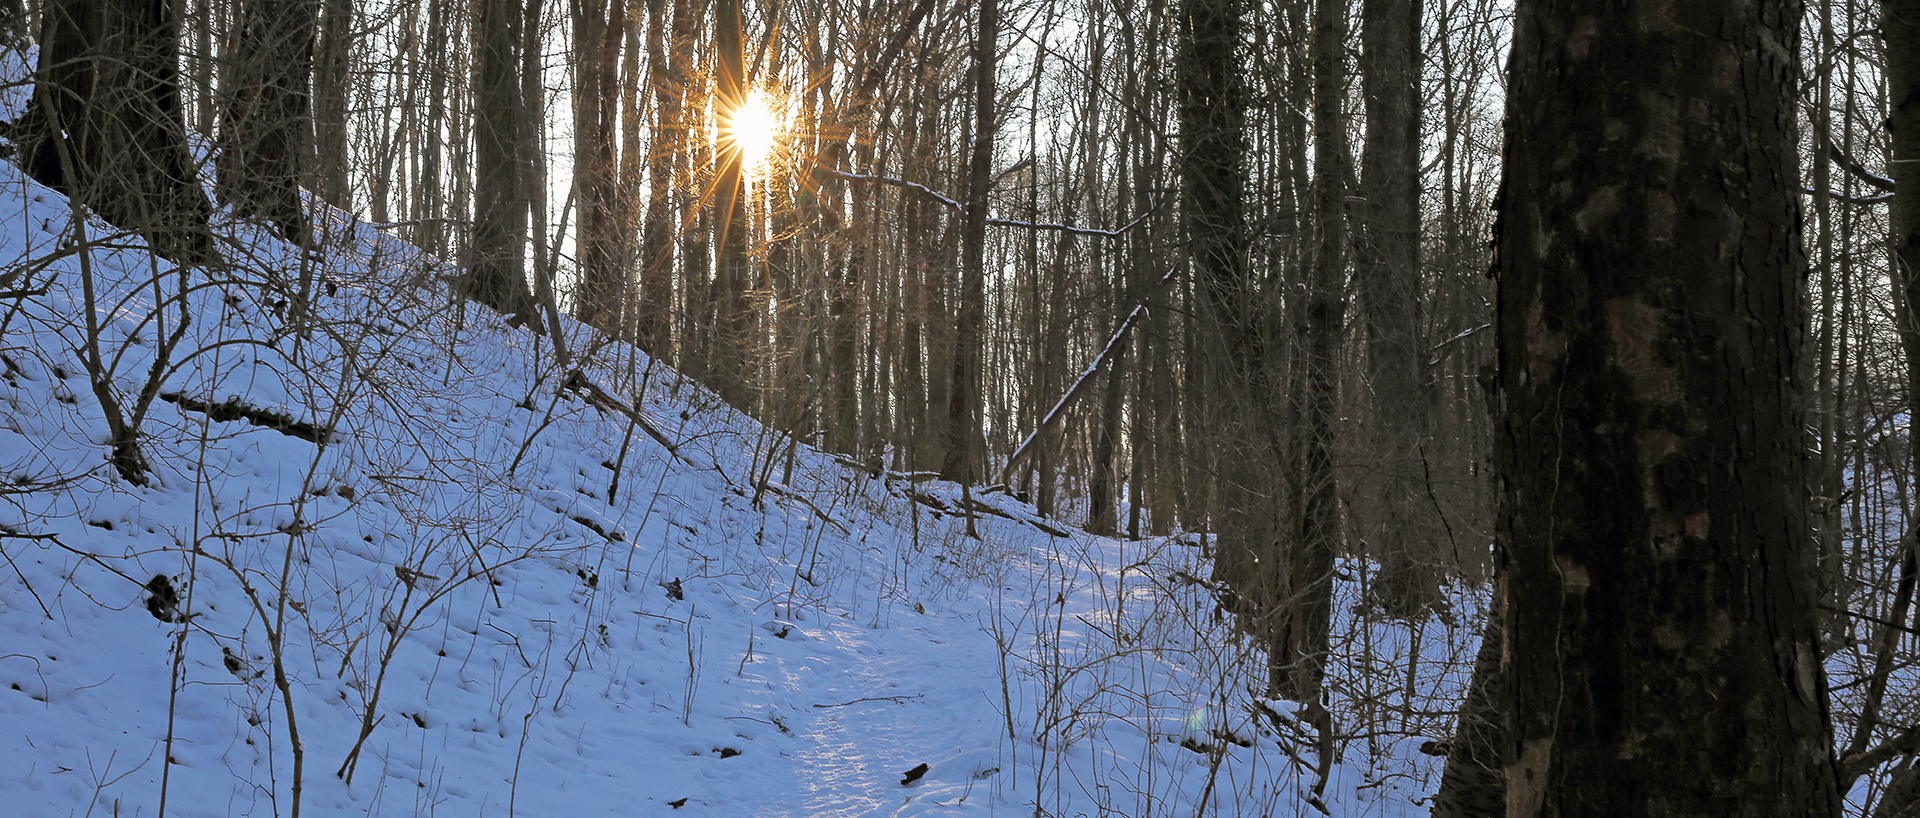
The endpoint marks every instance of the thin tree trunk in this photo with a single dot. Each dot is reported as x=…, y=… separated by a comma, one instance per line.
x=327, y=175
x=598, y=28
x=964, y=395
x=1314, y=517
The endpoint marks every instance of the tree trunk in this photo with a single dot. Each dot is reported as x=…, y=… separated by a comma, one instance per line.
x=431, y=206
x=598, y=28
x=1471, y=784
x=108, y=77
x=1662, y=642
x=331, y=59
x=1387, y=276
x=964, y=395
x=1228, y=376
x=267, y=128
x=727, y=366
x=497, y=268
x=1318, y=312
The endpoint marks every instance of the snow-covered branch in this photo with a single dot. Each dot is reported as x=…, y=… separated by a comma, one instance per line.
x=1842, y=197
x=1058, y=413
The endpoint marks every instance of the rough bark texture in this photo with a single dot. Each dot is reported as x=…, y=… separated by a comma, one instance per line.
x=1662, y=640
x=267, y=130
x=109, y=78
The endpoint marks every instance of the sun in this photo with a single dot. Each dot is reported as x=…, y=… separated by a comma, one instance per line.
x=752, y=128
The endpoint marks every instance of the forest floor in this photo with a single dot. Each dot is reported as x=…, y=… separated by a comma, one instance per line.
x=387, y=564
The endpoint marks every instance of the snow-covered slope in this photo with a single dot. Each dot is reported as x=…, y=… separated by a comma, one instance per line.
x=388, y=564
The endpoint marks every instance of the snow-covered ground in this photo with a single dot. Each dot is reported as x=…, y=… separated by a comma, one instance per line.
x=386, y=564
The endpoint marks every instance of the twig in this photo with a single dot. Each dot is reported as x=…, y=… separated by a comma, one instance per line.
x=894, y=699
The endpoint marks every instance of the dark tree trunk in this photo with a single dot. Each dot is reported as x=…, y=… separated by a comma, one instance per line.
x=1317, y=315
x=598, y=27
x=267, y=129
x=496, y=270
x=432, y=207
x=109, y=78
x=669, y=36
x=727, y=365
x=1228, y=376
x=1662, y=643
x=963, y=396
x=1900, y=25
x=1386, y=275
x=1103, y=485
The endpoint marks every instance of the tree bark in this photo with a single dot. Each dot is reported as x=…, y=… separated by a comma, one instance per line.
x=108, y=78
x=598, y=28
x=1228, y=377
x=331, y=59
x=1472, y=784
x=1662, y=641
x=497, y=268
x=267, y=126
x=1386, y=274
x=964, y=396
x=727, y=365
x=1318, y=314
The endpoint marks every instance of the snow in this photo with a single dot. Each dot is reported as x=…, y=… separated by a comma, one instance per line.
x=452, y=574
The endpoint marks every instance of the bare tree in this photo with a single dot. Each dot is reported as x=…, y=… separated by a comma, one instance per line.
x=105, y=125
x=497, y=272
x=266, y=131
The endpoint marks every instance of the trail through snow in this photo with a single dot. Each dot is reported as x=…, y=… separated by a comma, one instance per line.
x=459, y=615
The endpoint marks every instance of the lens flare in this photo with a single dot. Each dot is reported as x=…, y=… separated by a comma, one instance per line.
x=752, y=128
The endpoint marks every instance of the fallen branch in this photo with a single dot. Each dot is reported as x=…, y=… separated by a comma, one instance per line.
x=894, y=699
x=233, y=409
x=1057, y=415
x=577, y=381
x=782, y=491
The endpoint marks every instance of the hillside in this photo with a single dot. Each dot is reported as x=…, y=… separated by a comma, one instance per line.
x=393, y=532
